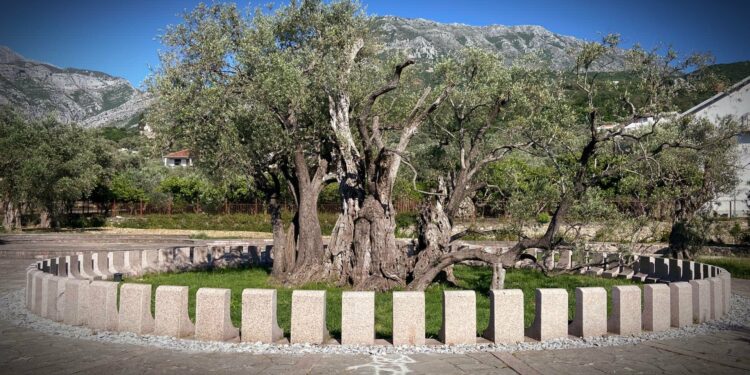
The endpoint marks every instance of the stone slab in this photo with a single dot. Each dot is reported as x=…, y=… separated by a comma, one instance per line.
x=626, y=310
x=117, y=262
x=149, y=261
x=30, y=287
x=200, y=255
x=408, y=318
x=717, y=298
x=459, y=325
x=62, y=267
x=73, y=267
x=727, y=288
x=49, y=299
x=591, y=313
x=675, y=269
x=358, y=318
x=54, y=301
x=610, y=274
x=101, y=266
x=688, y=270
x=309, y=317
x=647, y=265
x=259, y=319
x=506, y=317
x=37, y=292
x=102, y=305
x=76, y=302
x=135, y=309
x=626, y=274
x=681, y=304
x=595, y=271
x=134, y=262
x=171, y=313
x=662, y=268
x=86, y=266
x=701, y=300
x=551, y=318
x=566, y=260
x=212, y=315
x=657, y=307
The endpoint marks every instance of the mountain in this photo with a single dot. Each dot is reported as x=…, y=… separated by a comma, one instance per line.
x=87, y=97
x=732, y=72
x=430, y=40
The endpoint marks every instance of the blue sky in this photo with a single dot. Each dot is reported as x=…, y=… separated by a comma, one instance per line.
x=121, y=37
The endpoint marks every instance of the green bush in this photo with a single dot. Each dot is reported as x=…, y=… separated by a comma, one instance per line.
x=543, y=218
x=85, y=221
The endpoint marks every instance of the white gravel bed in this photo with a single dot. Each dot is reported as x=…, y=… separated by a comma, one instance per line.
x=12, y=309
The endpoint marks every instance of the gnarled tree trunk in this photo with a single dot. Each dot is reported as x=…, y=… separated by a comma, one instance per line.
x=11, y=216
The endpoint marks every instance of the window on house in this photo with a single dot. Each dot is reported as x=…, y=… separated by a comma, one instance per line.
x=177, y=161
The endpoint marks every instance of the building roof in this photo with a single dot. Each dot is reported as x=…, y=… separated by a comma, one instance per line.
x=717, y=97
x=182, y=154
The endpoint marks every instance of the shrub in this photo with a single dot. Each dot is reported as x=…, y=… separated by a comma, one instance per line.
x=543, y=218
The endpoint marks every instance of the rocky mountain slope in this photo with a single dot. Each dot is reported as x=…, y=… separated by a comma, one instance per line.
x=97, y=99
x=86, y=97
x=430, y=40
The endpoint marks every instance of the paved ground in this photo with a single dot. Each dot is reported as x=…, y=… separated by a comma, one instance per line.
x=24, y=351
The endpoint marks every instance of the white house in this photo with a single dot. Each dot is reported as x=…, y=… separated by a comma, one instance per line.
x=735, y=102
x=180, y=158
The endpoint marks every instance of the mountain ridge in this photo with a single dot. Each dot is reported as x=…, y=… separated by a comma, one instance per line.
x=431, y=40
x=88, y=97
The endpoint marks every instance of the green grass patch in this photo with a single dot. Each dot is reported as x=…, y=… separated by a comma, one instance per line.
x=739, y=267
x=474, y=278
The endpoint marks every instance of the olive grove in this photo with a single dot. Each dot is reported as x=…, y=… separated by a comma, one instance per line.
x=302, y=96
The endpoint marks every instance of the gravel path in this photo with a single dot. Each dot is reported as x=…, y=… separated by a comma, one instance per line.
x=12, y=309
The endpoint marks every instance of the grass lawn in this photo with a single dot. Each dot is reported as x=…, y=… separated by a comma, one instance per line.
x=739, y=267
x=476, y=278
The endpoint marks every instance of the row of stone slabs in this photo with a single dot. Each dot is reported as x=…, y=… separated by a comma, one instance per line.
x=103, y=265
x=94, y=304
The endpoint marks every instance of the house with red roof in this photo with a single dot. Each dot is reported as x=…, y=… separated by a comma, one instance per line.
x=182, y=158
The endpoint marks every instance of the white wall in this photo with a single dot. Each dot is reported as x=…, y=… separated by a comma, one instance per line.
x=736, y=104
x=184, y=162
